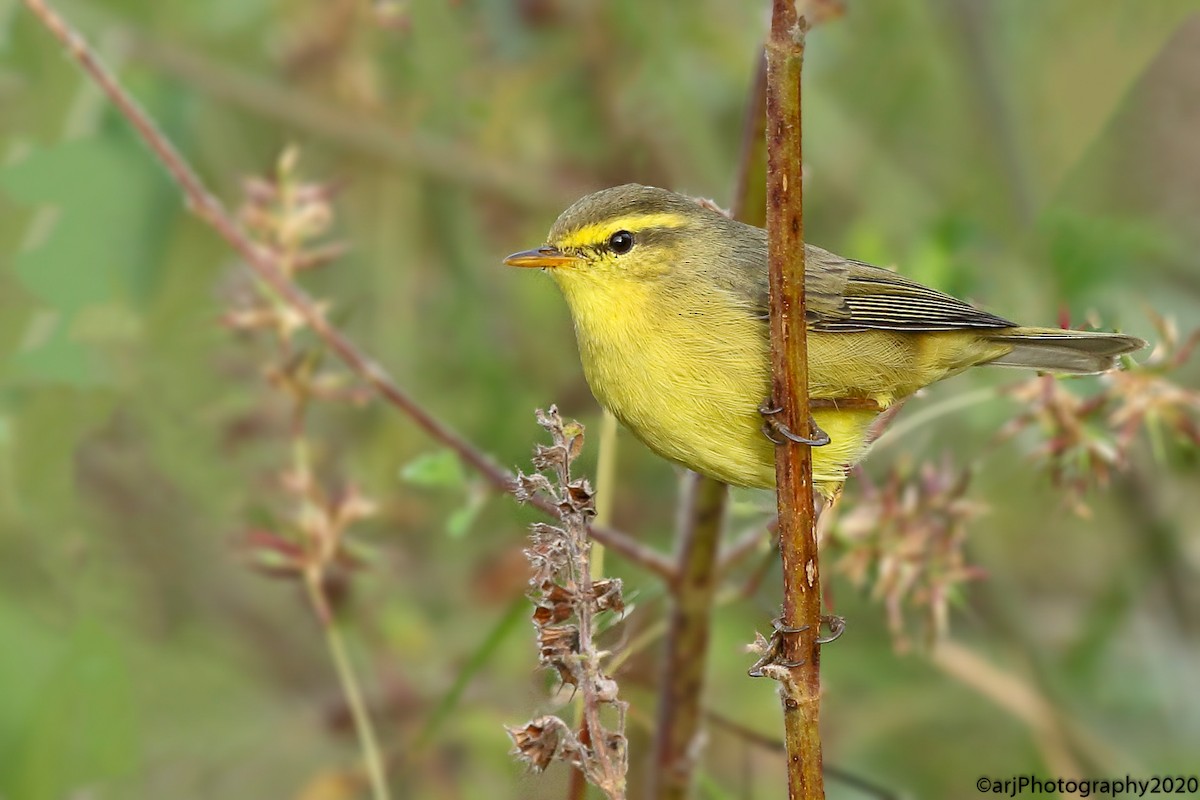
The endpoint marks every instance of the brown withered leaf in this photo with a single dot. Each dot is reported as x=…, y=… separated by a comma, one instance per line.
x=574, y=447
x=580, y=497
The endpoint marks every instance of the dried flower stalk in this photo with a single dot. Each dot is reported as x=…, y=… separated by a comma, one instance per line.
x=1085, y=439
x=567, y=603
x=903, y=539
x=287, y=217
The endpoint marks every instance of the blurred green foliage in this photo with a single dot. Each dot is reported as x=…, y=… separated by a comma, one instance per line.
x=1037, y=156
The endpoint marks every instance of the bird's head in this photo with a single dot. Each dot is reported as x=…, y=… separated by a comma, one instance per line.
x=626, y=233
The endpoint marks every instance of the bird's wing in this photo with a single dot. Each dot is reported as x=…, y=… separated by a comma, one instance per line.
x=844, y=295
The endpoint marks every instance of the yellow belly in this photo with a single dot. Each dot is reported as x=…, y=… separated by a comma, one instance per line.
x=686, y=376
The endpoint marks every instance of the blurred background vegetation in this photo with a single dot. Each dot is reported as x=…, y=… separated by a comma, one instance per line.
x=1039, y=157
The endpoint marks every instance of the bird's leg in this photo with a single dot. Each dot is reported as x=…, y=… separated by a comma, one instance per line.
x=772, y=426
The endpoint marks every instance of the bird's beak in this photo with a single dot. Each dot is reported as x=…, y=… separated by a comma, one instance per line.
x=546, y=257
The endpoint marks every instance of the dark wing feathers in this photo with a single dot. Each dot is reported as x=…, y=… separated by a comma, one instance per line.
x=845, y=295
x=872, y=298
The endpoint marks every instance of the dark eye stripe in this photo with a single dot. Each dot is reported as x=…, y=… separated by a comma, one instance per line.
x=647, y=237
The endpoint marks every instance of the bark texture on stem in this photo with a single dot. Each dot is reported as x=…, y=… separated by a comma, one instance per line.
x=680, y=710
x=800, y=685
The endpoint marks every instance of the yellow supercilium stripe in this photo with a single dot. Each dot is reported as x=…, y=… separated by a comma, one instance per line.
x=598, y=233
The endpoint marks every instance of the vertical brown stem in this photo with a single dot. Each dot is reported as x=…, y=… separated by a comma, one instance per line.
x=681, y=688
x=800, y=688
x=749, y=200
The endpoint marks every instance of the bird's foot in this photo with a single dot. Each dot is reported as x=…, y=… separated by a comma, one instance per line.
x=836, y=625
x=772, y=428
x=772, y=651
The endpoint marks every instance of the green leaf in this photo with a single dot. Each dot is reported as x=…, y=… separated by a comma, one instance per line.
x=458, y=523
x=438, y=470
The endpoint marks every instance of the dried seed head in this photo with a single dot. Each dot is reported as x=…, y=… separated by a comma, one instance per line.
x=555, y=605
x=608, y=596
x=617, y=746
x=557, y=643
x=551, y=458
x=548, y=554
x=530, y=485
x=259, y=191
x=538, y=741
x=580, y=498
x=272, y=554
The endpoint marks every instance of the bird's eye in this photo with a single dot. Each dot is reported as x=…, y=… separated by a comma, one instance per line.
x=621, y=242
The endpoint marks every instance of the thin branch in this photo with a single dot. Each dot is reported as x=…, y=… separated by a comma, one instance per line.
x=681, y=687
x=746, y=544
x=1057, y=735
x=635, y=552
x=372, y=758
x=799, y=667
x=322, y=521
x=931, y=412
x=264, y=265
x=1156, y=532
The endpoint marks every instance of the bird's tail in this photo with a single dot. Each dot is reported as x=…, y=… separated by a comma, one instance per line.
x=1061, y=350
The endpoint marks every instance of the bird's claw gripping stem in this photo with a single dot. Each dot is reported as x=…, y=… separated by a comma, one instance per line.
x=772, y=426
x=837, y=626
x=773, y=655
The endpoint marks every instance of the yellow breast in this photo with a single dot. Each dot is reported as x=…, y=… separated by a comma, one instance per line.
x=686, y=375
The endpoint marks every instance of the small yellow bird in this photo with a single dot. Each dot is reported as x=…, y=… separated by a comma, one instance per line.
x=669, y=299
